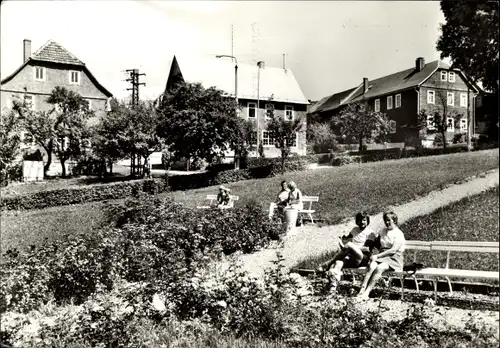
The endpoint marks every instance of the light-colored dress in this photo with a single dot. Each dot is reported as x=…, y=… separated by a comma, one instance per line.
x=387, y=239
x=296, y=194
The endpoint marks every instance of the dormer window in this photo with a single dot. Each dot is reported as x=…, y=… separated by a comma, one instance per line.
x=39, y=73
x=74, y=77
x=444, y=76
x=451, y=76
x=289, y=112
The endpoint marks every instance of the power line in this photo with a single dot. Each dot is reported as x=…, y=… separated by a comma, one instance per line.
x=134, y=80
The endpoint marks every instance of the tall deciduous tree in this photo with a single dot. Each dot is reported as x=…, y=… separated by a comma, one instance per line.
x=70, y=127
x=441, y=117
x=10, y=142
x=198, y=123
x=284, y=132
x=357, y=120
x=470, y=38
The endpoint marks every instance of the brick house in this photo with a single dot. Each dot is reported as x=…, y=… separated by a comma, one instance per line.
x=402, y=96
x=258, y=87
x=40, y=72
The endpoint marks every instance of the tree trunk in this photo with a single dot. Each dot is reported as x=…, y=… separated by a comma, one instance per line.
x=360, y=144
x=443, y=134
x=63, y=165
x=48, y=149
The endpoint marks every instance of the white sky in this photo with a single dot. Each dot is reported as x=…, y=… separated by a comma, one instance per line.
x=329, y=45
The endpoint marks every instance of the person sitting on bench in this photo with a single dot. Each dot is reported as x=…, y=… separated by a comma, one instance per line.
x=391, y=241
x=356, y=252
x=223, y=196
x=281, y=201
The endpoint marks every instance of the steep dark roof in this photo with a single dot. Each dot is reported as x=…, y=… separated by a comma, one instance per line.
x=399, y=81
x=55, y=53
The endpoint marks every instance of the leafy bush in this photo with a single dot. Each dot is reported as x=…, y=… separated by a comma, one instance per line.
x=459, y=138
x=343, y=159
x=75, y=195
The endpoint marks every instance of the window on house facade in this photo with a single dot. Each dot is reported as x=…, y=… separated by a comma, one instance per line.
x=29, y=101
x=463, y=125
x=431, y=97
x=444, y=76
x=430, y=122
x=253, y=138
x=252, y=110
x=450, y=98
x=40, y=73
x=90, y=104
x=267, y=138
x=28, y=139
x=389, y=102
x=392, y=126
x=377, y=105
x=398, y=100
x=74, y=77
x=450, y=124
x=289, y=113
x=293, y=140
x=451, y=76
x=463, y=100
x=269, y=111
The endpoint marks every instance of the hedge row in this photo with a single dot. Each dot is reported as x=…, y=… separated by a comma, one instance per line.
x=76, y=195
x=187, y=182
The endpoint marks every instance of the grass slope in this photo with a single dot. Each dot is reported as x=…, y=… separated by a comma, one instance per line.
x=342, y=191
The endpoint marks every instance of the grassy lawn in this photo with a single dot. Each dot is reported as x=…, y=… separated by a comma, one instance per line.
x=342, y=190
x=32, y=227
x=471, y=219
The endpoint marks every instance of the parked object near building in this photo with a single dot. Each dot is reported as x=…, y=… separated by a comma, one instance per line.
x=259, y=87
x=403, y=95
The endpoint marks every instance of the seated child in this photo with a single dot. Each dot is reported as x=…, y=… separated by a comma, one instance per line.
x=355, y=252
x=223, y=197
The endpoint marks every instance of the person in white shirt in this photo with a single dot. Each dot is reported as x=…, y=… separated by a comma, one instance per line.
x=354, y=252
x=391, y=242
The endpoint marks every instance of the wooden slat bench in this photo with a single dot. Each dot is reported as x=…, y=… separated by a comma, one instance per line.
x=213, y=202
x=305, y=199
x=435, y=273
x=309, y=211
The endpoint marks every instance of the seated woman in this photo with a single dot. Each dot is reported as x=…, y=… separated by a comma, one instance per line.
x=223, y=198
x=392, y=245
x=356, y=252
x=281, y=200
x=294, y=196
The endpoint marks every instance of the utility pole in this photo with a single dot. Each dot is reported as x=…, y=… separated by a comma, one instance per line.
x=134, y=80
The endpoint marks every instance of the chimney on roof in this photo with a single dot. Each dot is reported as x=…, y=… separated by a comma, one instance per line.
x=419, y=64
x=261, y=64
x=26, y=49
x=365, y=85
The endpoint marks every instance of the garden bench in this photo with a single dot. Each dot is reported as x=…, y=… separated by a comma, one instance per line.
x=309, y=211
x=435, y=273
x=213, y=202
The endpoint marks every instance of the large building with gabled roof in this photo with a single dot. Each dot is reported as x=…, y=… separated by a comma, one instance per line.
x=50, y=66
x=258, y=86
x=404, y=94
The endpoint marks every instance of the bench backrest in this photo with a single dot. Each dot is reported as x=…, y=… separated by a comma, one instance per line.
x=310, y=199
x=449, y=246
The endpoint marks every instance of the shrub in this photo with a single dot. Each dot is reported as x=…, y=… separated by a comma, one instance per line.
x=75, y=195
x=459, y=138
x=342, y=159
